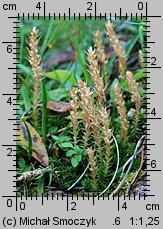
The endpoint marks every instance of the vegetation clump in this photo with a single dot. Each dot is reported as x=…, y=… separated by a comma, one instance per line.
x=79, y=121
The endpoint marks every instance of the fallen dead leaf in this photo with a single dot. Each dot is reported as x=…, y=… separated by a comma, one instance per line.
x=58, y=106
x=60, y=57
x=38, y=148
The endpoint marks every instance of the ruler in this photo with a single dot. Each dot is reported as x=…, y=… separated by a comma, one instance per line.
x=69, y=210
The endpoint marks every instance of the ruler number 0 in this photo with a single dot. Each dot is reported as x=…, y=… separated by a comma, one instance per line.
x=21, y=205
x=140, y=5
x=9, y=203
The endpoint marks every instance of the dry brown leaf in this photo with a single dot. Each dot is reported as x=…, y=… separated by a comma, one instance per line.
x=38, y=148
x=58, y=106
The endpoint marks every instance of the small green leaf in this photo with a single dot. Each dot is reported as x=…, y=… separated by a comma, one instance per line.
x=84, y=152
x=61, y=75
x=64, y=138
x=44, y=112
x=74, y=162
x=24, y=69
x=21, y=162
x=66, y=145
x=131, y=45
x=58, y=94
x=26, y=168
x=50, y=178
x=70, y=153
x=39, y=176
x=77, y=149
x=78, y=157
x=55, y=137
x=26, y=97
x=26, y=84
x=47, y=37
x=40, y=186
x=53, y=129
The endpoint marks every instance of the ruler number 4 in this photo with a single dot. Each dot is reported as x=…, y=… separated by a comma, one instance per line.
x=153, y=112
x=38, y=6
x=9, y=101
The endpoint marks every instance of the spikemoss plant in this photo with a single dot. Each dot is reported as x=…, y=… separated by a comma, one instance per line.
x=97, y=133
x=120, y=103
x=135, y=95
x=35, y=62
x=120, y=52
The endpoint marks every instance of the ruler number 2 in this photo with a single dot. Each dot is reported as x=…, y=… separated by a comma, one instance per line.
x=89, y=5
x=9, y=154
x=153, y=60
x=73, y=206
